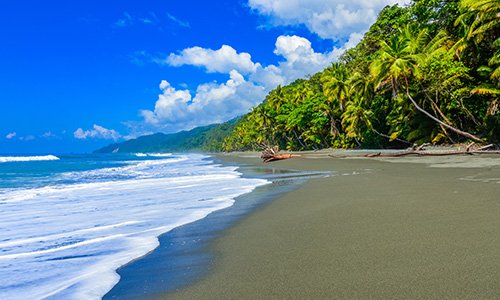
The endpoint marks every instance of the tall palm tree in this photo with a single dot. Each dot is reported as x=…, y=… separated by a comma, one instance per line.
x=362, y=85
x=481, y=19
x=335, y=84
x=356, y=118
x=336, y=90
x=397, y=63
x=396, y=60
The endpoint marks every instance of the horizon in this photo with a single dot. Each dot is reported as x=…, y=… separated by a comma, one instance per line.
x=82, y=75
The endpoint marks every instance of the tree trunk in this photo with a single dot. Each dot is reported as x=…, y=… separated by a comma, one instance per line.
x=298, y=139
x=388, y=137
x=456, y=130
x=394, y=85
x=334, y=131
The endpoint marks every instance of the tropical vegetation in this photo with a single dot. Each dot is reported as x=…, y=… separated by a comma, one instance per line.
x=427, y=72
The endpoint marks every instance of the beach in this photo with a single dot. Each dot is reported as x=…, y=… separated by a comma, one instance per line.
x=375, y=228
x=68, y=222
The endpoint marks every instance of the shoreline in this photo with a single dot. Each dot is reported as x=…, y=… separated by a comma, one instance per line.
x=378, y=228
x=184, y=255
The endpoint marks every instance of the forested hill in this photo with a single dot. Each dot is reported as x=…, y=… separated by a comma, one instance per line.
x=207, y=138
x=428, y=72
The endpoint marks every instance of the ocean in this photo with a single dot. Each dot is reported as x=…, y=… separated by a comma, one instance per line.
x=68, y=222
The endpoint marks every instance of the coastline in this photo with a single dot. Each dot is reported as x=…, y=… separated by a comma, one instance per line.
x=184, y=254
x=378, y=228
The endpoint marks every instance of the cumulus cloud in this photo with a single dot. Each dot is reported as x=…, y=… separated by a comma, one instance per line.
x=248, y=82
x=222, y=60
x=97, y=132
x=329, y=19
x=300, y=59
x=212, y=103
x=10, y=135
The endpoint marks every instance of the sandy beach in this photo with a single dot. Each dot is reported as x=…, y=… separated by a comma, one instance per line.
x=419, y=228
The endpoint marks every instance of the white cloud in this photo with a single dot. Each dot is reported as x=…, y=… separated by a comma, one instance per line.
x=212, y=103
x=27, y=138
x=146, y=20
x=98, y=132
x=300, y=57
x=178, y=21
x=248, y=82
x=222, y=60
x=329, y=19
x=300, y=60
x=10, y=135
x=127, y=20
x=48, y=134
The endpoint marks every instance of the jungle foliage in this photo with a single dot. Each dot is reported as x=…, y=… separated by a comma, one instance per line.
x=428, y=72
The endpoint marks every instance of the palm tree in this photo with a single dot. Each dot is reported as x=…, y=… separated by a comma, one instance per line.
x=361, y=85
x=335, y=84
x=336, y=90
x=484, y=15
x=398, y=62
x=395, y=61
x=356, y=118
x=481, y=19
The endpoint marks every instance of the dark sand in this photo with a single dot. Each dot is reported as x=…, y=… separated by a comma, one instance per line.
x=376, y=229
x=184, y=253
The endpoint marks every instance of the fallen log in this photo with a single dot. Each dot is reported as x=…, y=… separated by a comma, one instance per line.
x=431, y=153
x=279, y=157
x=270, y=154
x=409, y=152
x=486, y=147
x=421, y=147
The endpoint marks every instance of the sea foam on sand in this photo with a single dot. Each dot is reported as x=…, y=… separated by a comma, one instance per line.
x=66, y=241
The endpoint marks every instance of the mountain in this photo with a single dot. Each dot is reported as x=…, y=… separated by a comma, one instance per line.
x=206, y=138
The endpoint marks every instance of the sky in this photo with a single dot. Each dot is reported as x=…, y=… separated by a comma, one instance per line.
x=78, y=75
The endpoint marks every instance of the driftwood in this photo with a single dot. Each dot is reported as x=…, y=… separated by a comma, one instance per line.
x=270, y=154
x=431, y=153
x=471, y=149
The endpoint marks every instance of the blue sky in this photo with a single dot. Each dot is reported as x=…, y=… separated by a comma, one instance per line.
x=77, y=75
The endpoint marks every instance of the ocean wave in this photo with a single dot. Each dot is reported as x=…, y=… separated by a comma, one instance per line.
x=77, y=235
x=136, y=169
x=153, y=154
x=4, y=159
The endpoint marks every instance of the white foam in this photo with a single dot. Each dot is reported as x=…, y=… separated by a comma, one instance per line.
x=153, y=154
x=4, y=159
x=66, y=241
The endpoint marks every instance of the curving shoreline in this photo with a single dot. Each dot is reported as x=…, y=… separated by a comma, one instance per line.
x=398, y=228
x=184, y=255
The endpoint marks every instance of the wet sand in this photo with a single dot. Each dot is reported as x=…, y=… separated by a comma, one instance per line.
x=425, y=228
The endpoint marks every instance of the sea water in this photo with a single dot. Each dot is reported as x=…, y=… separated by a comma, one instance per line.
x=68, y=222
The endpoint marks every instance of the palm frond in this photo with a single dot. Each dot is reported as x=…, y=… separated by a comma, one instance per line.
x=485, y=90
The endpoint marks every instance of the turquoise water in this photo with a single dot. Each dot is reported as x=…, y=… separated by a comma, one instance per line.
x=68, y=222
x=57, y=169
